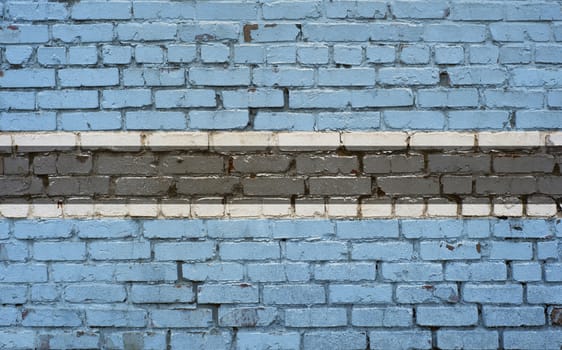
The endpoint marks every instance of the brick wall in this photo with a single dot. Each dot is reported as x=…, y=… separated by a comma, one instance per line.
x=280, y=174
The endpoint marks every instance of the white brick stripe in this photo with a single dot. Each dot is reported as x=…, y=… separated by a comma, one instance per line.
x=282, y=140
x=279, y=208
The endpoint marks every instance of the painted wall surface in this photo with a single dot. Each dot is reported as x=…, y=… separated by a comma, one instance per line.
x=280, y=174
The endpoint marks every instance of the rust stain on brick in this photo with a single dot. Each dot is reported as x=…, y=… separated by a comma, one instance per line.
x=245, y=285
x=248, y=32
x=24, y=314
x=13, y=27
x=450, y=247
x=271, y=25
x=556, y=316
x=428, y=287
x=1, y=73
x=478, y=247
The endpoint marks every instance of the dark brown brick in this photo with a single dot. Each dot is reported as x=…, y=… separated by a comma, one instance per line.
x=74, y=164
x=393, y=163
x=412, y=185
x=556, y=316
x=126, y=164
x=16, y=165
x=143, y=186
x=273, y=186
x=542, y=163
x=340, y=186
x=253, y=164
x=455, y=163
x=506, y=185
x=78, y=185
x=550, y=184
x=329, y=164
x=207, y=185
x=192, y=165
x=19, y=185
x=457, y=184
x=45, y=165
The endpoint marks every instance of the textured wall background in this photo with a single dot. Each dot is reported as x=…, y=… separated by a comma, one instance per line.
x=403, y=190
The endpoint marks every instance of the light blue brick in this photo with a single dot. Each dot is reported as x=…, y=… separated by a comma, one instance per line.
x=249, y=54
x=553, y=272
x=291, y=10
x=360, y=294
x=448, y=98
x=214, y=53
x=415, y=54
x=548, y=250
x=149, y=120
x=385, y=251
x=113, y=54
x=68, y=99
x=316, y=251
x=284, y=121
x=92, y=10
x=431, y=120
x=465, y=315
x=348, y=121
x=83, y=121
x=412, y=272
x=429, y=228
x=41, y=229
x=219, y=10
x=13, y=294
x=182, y=53
x=449, y=54
x=511, y=250
x=280, y=340
x=408, y=76
x=85, y=33
x=467, y=339
x=477, y=228
x=283, y=77
x=172, y=318
x=356, y=9
x=219, y=77
x=526, y=272
x=82, y=55
x=548, y=53
x=17, y=100
x=253, y=98
x=14, y=251
x=478, y=120
x=104, y=228
x=18, y=54
x=23, y=273
x=313, y=54
x=4, y=229
x=346, y=77
x=238, y=228
x=380, y=54
x=213, y=272
x=279, y=272
x=493, y=293
x=28, y=11
x=510, y=54
x=249, y=251
x=536, y=77
x=181, y=99
x=146, y=31
x=400, y=340
x=18, y=338
x=222, y=119
x=538, y=119
x=301, y=228
x=365, y=229
x=160, y=9
x=382, y=317
x=8, y=316
x=528, y=228
x=455, y=33
x=484, y=54
x=337, y=340
x=210, y=340
x=278, y=54
x=348, y=54
x=112, y=99
x=227, y=294
x=345, y=272
x=21, y=78
x=427, y=293
x=281, y=32
x=173, y=228
x=477, y=75
x=476, y=271
x=41, y=121
x=149, y=54
x=209, y=31
x=25, y=34
x=317, y=317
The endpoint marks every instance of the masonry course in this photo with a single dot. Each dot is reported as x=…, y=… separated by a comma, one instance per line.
x=411, y=239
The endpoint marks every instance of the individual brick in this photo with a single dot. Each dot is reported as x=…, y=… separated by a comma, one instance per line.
x=207, y=186
x=279, y=272
x=495, y=316
x=317, y=317
x=467, y=339
x=492, y=293
x=146, y=31
x=227, y=294
x=276, y=186
x=408, y=185
x=412, y=272
x=339, y=339
x=339, y=186
x=261, y=163
x=476, y=271
x=360, y=294
x=233, y=316
x=465, y=315
x=400, y=339
x=306, y=164
x=426, y=293
x=174, y=318
x=213, y=272
x=320, y=251
x=293, y=294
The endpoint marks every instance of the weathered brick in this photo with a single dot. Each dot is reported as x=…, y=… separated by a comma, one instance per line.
x=339, y=185
x=400, y=339
x=293, y=294
x=466, y=315
x=227, y=294
x=278, y=186
x=469, y=339
x=497, y=316
x=317, y=317
x=360, y=294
